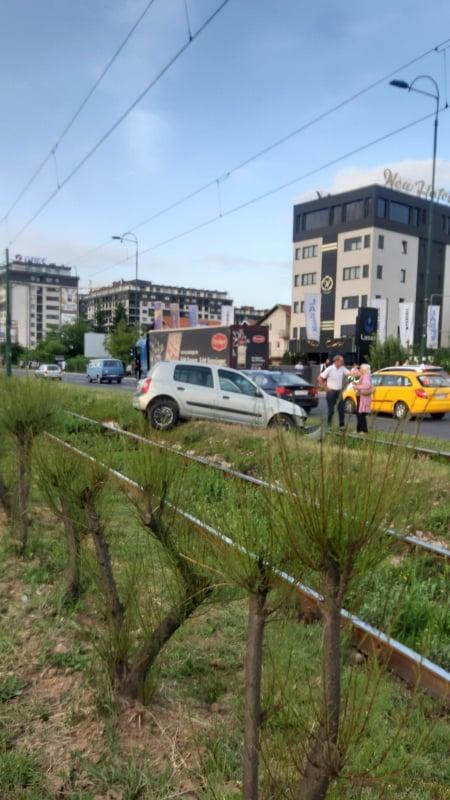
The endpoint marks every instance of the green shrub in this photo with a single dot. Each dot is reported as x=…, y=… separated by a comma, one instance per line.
x=77, y=364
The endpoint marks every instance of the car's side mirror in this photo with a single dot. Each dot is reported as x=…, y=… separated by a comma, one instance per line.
x=259, y=393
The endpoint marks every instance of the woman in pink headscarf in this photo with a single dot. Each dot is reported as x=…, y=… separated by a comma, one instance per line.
x=363, y=388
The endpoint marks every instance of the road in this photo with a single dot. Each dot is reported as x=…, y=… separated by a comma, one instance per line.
x=436, y=429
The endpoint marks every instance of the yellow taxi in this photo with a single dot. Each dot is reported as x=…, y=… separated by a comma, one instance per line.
x=404, y=391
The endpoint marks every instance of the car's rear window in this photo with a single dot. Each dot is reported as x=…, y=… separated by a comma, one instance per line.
x=289, y=380
x=434, y=380
x=111, y=363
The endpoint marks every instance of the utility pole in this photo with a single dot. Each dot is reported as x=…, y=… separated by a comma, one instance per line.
x=8, y=317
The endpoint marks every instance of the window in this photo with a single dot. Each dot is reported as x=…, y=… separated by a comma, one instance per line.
x=353, y=244
x=363, y=300
x=424, y=216
x=399, y=212
x=403, y=276
x=52, y=316
x=298, y=253
x=401, y=299
x=296, y=307
x=315, y=219
x=348, y=330
x=350, y=302
x=380, y=242
x=367, y=240
x=381, y=207
x=310, y=251
x=354, y=211
x=415, y=217
x=294, y=333
x=235, y=382
x=404, y=247
x=297, y=280
x=365, y=273
x=302, y=307
x=309, y=278
x=200, y=376
x=336, y=215
x=351, y=273
x=380, y=272
x=378, y=296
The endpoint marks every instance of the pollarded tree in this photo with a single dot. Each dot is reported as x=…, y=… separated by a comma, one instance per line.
x=27, y=408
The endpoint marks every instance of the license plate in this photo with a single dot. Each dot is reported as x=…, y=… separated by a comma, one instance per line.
x=440, y=396
x=301, y=393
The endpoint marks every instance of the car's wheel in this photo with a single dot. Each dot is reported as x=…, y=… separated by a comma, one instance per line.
x=89, y=379
x=283, y=421
x=99, y=380
x=109, y=380
x=438, y=416
x=349, y=405
x=119, y=380
x=400, y=410
x=163, y=414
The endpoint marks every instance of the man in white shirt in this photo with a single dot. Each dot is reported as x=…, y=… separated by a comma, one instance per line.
x=333, y=379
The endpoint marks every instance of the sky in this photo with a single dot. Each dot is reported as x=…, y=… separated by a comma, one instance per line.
x=259, y=71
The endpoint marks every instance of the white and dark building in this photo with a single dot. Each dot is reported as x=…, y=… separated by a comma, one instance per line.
x=366, y=244
x=43, y=298
x=278, y=321
x=140, y=299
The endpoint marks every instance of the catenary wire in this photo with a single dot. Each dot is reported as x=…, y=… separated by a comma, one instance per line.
x=74, y=117
x=439, y=48
x=270, y=192
x=120, y=119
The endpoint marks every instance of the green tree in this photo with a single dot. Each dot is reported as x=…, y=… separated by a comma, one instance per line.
x=72, y=337
x=120, y=342
x=120, y=315
x=99, y=324
x=17, y=352
x=387, y=353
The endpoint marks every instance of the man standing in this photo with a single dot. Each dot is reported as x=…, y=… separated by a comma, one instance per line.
x=332, y=379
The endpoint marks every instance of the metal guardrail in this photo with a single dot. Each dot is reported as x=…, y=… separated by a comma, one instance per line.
x=411, y=667
x=407, y=539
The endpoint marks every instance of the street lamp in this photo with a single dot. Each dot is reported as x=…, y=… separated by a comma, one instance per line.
x=129, y=236
x=435, y=95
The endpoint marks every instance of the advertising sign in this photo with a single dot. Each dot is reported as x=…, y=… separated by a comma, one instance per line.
x=380, y=303
x=175, y=315
x=69, y=300
x=312, y=316
x=158, y=316
x=433, y=327
x=406, y=323
x=241, y=347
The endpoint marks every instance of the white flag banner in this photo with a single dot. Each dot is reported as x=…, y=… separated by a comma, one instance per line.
x=312, y=317
x=227, y=315
x=433, y=327
x=381, y=304
x=406, y=323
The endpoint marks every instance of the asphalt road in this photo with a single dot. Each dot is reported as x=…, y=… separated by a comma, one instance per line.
x=436, y=429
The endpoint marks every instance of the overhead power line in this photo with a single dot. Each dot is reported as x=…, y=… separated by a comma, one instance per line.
x=190, y=40
x=439, y=48
x=275, y=190
x=52, y=152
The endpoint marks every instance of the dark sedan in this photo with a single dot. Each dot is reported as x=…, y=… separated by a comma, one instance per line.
x=287, y=386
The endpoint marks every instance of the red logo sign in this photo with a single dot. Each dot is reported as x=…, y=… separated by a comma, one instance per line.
x=258, y=339
x=219, y=342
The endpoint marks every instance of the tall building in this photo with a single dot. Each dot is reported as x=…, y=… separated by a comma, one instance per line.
x=364, y=244
x=43, y=297
x=248, y=314
x=139, y=301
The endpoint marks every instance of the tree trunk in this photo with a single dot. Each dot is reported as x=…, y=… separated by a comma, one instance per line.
x=323, y=761
x=73, y=590
x=252, y=710
x=133, y=681
x=115, y=606
x=23, y=495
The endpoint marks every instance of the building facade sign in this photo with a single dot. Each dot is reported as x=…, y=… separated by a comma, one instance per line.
x=421, y=188
x=30, y=260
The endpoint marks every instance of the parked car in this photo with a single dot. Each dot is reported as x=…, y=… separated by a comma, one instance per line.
x=105, y=369
x=180, y=390
x=403, y=391
x=287, y=386
x=51, y=371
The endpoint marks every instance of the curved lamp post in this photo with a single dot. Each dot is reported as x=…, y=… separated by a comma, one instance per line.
x=411, y=87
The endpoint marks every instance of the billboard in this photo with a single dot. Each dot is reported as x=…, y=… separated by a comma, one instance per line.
x=241, y=347
x=69, y=300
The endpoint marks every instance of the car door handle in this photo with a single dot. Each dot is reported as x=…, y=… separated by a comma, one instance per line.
x=225, y=397
x=180, y=388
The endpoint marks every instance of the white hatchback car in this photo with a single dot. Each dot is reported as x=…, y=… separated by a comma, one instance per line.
x=176, y=390
x=51, y=371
